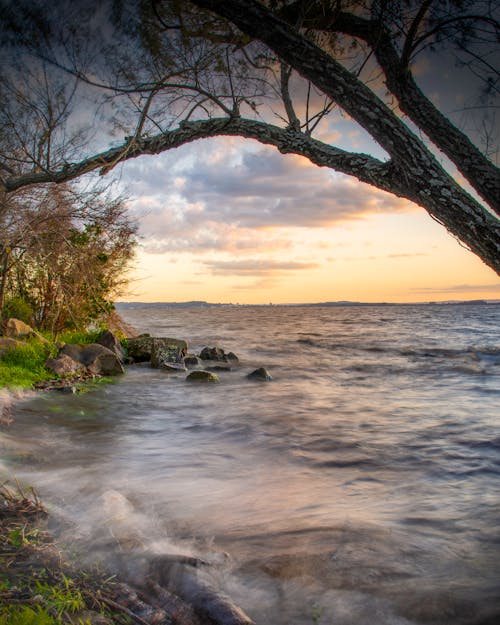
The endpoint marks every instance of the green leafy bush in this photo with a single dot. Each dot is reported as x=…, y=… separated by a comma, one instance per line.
x=19, y=309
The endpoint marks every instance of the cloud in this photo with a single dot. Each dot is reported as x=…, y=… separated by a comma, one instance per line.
x=382, y=256
x=255, y=267
x=459, y=288
x=229, y=194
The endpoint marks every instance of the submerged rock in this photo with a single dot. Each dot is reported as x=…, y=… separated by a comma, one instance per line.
x=202, y=376
x=217, y=354
x=172, y=366
x=260, y=374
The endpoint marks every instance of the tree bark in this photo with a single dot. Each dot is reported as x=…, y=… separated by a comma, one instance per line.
x=425, y=180
x=481, y=173
x=412, y=171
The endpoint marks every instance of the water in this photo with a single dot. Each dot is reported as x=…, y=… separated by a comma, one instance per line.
x=360, y=486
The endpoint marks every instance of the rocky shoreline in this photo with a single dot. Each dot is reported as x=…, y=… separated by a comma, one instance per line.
x=108, y=357
x=171, y=589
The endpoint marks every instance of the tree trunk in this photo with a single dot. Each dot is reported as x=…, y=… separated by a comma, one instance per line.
x=481, y=173
x=423, y=179
x=4, y=260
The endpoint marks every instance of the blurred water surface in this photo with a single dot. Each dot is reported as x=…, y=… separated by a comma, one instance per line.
x=360, y=486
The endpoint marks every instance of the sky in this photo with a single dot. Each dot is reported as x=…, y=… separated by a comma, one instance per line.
x=230, y=220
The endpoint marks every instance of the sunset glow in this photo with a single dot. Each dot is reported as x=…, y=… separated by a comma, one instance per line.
x=229, y=220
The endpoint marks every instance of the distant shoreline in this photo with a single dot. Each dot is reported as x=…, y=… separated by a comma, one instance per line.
x=339, y=304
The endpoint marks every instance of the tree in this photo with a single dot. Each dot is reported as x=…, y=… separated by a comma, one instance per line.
x=68, y=253
x=176, y=72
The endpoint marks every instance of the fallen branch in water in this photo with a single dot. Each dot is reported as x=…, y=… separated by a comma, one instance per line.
x=180, y=612
x=122, y=608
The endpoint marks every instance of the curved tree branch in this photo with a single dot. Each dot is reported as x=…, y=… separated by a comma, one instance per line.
x=480, y=172
x=364, y=167
x=423, y=178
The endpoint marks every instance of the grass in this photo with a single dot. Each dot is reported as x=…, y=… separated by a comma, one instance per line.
x=23, y=366
x=36, y=586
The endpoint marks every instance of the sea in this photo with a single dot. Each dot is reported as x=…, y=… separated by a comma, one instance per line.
x=359, y=486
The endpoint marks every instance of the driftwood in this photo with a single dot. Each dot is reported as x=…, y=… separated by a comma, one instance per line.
x=179, y=612
x=126, y=600
x=212, y=606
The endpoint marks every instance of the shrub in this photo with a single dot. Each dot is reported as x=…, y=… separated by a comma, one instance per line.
x=18, y=308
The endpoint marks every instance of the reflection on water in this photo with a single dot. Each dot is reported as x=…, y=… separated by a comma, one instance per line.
x=361, y=485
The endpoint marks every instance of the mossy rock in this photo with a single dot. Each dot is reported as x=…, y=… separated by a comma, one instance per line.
x=203, y=376
x=141, y=348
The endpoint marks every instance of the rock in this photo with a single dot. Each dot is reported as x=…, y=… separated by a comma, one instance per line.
x=63, y=365
x=232, y=356
x=191, y=361
x=15, y=328
x=165, y=351
x=172, y=366
x=140, y=348
x=202, y=376
x=213, y=353
x=7, y=343
x=221, y=367
x=96, y=358
x=260, y=374
x=109, y=340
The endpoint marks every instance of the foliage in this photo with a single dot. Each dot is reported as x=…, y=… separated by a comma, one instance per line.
x=65, y=256
x=169, y=72
x=18, y=308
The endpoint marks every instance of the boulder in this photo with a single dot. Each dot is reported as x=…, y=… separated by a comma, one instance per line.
x=172, y=367
x=213, y=353
x=202, y=376
x=96, y=358
x=15, y=328
x=190, y=361
x=109, y=340
x=260, y=374
x=140, y=349
x=232, y=356
x=63, y=365
x=166, y=351
x=7, y=343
